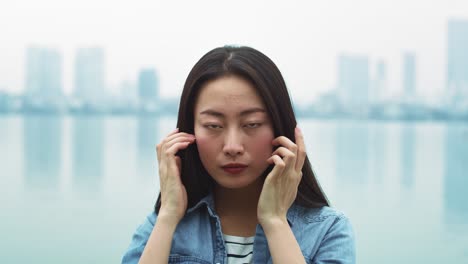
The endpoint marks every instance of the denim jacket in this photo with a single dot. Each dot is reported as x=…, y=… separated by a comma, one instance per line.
x=323, y=234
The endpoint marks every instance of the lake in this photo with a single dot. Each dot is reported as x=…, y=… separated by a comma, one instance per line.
x=74, y=188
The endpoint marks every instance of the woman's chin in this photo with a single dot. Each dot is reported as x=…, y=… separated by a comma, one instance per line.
x=236, y=183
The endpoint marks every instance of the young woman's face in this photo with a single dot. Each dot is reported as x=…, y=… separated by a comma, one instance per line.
x=233, y=132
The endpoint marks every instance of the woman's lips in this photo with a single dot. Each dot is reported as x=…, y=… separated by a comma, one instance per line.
x=234, y=168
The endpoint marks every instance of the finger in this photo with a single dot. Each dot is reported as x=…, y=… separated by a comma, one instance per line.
x=176, y=135
x=176, y=147
x=167, y=145
x=181, y=138
x=172, y=161
x=301, y=151
x=286, y=142
x=158, y=146
x=162, y=146
x=287, y=155
x=278, y=168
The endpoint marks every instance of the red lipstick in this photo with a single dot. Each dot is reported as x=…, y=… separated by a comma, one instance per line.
x=234, y=168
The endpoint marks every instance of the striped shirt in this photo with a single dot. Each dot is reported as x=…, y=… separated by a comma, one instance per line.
x=239, y=249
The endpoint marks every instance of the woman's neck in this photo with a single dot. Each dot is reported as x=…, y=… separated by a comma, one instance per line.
x=237, y=208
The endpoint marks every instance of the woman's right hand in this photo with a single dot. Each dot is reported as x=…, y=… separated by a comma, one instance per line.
x=173, y=192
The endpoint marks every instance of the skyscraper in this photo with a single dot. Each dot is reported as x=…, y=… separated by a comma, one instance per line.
x=457, y=61
x=90, y=75
x=379, y=86
x=353, y=80
x=409, y=75
x=148, y=85
x=43, y=74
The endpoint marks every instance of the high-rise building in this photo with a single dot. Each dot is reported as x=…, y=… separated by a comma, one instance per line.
x=353, y=80
x=379, y=86
x=43, y=74
x=409, y=75
x=457, y=61
x=148, y=85
x=90, y=82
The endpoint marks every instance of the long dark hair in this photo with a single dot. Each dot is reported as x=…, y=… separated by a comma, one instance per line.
x=257, y=68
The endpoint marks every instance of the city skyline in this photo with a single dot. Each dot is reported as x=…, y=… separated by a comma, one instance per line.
x=354, y=85
x=303, y=38
x=358, y=82
x=361, y=88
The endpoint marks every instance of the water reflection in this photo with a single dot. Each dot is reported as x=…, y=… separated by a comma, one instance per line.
x=87, y=154
x=352, y=151
x=148, y=136
x=419, y=176
x=456, y=176
x=42, y=151
x=377, y=150
x=407, y=155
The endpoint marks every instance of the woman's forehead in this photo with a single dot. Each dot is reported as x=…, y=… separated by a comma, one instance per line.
x=229, y=90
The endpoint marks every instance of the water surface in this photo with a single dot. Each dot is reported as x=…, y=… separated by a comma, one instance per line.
x=74, y=188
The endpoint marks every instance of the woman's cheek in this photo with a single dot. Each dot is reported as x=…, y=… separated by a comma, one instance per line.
x=202, y=142
x=262, y=145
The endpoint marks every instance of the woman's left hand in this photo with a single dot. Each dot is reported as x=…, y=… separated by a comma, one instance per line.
x=280, y=186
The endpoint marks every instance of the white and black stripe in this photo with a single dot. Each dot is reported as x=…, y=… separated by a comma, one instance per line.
x=239, y=249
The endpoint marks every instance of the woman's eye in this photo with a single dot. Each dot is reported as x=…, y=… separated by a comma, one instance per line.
x=253, y=125
x=212, y=126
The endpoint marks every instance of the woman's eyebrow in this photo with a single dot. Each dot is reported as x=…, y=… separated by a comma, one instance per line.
x=211, y=113
x=252, y=110
x=243, y=113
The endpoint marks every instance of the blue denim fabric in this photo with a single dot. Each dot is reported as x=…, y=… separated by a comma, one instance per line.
x=324, y=236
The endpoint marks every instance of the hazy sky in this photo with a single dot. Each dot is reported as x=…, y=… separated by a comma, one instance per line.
x=302, y=37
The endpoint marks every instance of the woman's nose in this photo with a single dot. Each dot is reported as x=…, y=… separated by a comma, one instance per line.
x=233, y=144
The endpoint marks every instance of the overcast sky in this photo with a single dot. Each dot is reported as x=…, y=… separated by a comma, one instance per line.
x=304, y=38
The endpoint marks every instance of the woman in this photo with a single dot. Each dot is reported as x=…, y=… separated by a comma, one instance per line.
x=236, y=184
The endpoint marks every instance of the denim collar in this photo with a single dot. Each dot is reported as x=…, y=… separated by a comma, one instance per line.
x=208, y=202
